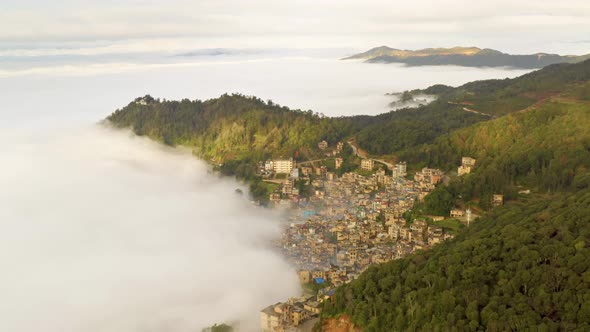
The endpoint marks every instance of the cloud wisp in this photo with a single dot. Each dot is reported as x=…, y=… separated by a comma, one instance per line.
x=102, y=231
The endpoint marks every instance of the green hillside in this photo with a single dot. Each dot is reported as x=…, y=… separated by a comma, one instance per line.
x=231, y=127
x=545, y=148
x=524, y=266
x=484, y=100
x=235, y=131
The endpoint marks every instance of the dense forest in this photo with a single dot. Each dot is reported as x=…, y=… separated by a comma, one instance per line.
x=522, y=267
x=234, y=131
x=231, y=127
x=407, y=129
x=546, y=149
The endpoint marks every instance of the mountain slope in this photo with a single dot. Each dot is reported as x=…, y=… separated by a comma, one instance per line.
x=388, y=51
x=544, y=147
x=463, y=56
x=231, y=127
x=523, y=266
x=470, y=103
x=234, y=131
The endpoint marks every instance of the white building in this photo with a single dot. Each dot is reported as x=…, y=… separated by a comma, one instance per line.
x=462, y=170
x=367, y=164
x=401, y=169
x=284, y=166
x=468, y=161
x=467, y=164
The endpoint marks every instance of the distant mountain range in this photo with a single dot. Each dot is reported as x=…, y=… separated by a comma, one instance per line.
x=464, y=56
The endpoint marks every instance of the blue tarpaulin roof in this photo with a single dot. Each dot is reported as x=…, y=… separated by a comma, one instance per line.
x=308, y=213
x=319, y=280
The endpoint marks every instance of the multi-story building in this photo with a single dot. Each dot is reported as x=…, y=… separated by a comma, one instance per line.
x=283, y=166
x=468, y=161
x=455, y=213
x=401, y=169
x=497, y=200
x=273, y=318
x=462, y=170
x=467, y=164
x=367, y=164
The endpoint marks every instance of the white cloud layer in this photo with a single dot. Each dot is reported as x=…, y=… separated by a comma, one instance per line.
x=105, y=232
x=73, y=94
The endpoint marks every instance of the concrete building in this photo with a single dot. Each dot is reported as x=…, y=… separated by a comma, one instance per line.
x=462, y=170
x=467, y=165
x=367, y=164
x=313, y=307
x=283, y=166
x=468, y=162
x=304, y=276
x=497, y=200
x=457, y=213
x=269, y=166
x=401, y=169
x=288, y=186
x=271, y=319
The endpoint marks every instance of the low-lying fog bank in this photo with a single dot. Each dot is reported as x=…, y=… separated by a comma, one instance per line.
x=103, y=231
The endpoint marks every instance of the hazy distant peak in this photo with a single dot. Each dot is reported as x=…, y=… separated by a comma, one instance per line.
x=386, y=50
x=463, y=56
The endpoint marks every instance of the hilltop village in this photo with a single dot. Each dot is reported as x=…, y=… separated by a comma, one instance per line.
x=348, y=222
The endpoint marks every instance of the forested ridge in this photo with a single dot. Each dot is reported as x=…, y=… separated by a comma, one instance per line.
x=546, y=149
x=523, y=266
x=409, y=128
x=236, y=127
x=234, y=131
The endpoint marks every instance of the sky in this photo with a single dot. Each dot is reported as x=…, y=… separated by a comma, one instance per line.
x=156, y=25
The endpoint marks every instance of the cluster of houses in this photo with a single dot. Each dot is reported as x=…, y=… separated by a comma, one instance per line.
x=286, y=172
x=350, y=223
x=323, y=145
x=289, y=316
x=428, y=178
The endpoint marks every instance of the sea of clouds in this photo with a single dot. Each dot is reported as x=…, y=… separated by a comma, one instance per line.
x=103, y=231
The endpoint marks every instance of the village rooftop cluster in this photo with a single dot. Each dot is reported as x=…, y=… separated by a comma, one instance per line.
x=348, y=223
